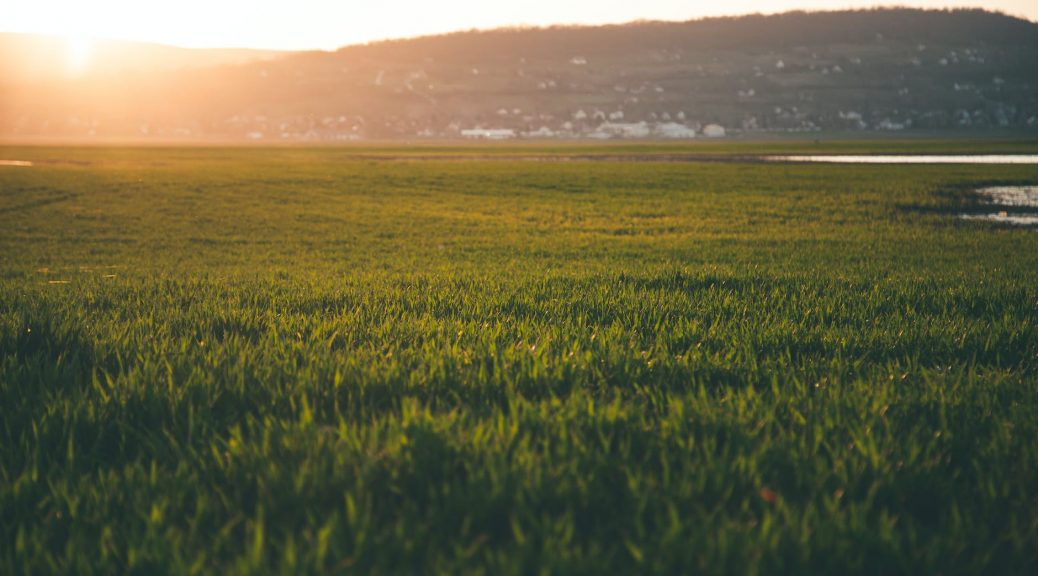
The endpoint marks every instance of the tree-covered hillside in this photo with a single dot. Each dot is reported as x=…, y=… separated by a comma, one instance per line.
x=876, y=70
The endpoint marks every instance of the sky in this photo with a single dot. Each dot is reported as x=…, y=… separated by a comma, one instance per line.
x=329, y=24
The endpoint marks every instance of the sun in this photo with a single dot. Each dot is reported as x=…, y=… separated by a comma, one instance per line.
x=78, y=53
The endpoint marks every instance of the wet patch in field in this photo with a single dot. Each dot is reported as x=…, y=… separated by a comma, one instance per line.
x=1019, y=197
x=911, y=159
x=1010, y=195
x=1004, y=218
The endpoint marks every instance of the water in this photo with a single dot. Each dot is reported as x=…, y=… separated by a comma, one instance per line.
x=1004, y=218
x=1010, y=197
x=15, y=163
x=912, y=159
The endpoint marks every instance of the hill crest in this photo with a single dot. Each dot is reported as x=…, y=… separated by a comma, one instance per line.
x=870, y=70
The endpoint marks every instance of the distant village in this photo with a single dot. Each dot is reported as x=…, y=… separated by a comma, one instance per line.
x=595, y=125
x=798, y=92
x=582, y=125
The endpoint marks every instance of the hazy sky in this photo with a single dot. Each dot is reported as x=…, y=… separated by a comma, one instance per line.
x=326, y=24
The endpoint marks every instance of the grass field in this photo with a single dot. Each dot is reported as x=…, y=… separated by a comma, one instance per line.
x=288, y=360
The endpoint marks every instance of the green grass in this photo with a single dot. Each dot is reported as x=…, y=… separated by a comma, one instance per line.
x=255, y=360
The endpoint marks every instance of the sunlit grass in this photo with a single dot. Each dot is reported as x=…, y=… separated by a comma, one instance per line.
x=301, y=361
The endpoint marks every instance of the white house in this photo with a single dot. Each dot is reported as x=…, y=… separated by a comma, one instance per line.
x=674, y=130
x=488, y=133
x=713, y=131
x=625, y=130
x=542, y=132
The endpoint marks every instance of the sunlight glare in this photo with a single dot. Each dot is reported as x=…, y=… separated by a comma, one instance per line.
x=78, y=51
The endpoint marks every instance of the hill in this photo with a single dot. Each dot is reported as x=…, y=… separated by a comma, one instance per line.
x=875, y=70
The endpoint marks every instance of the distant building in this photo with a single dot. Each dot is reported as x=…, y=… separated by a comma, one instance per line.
x=714, y=131
x=888, y=124
x=625, y=130
x=542, y=132
x=674, y=130
x=488, y=133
